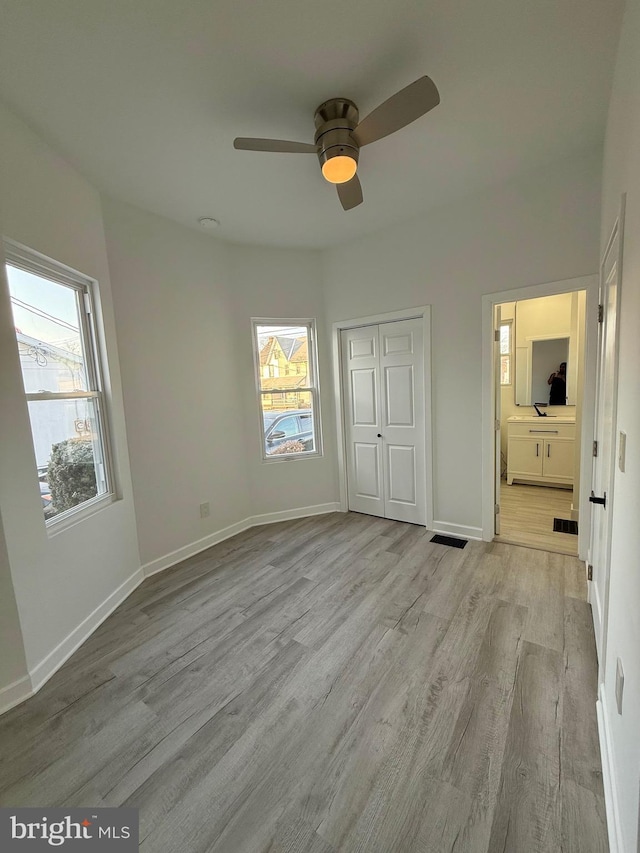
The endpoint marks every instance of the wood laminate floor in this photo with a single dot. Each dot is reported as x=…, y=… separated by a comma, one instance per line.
x=527, y=513
x=337, y=683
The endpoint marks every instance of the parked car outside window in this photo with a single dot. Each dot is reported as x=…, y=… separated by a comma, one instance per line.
x=288, y=426
x=47, y=506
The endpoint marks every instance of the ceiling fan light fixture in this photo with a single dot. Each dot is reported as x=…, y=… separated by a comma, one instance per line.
x=340, y=134
x=339, y=169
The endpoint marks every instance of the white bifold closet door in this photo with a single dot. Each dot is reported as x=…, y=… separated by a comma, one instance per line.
x=384, y=413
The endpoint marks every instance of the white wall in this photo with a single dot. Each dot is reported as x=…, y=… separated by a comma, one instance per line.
x=622, y=174
x=183, y=304
x=281, y=283
x=58, y=580
x=13, y=664
x=542, y=227
x=178, y=353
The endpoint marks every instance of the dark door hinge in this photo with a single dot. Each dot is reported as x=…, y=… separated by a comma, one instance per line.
x=595, y=448
x=589, y=573
x=600, y=313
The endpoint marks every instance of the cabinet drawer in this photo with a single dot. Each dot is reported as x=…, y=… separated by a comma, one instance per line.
x=543, y=430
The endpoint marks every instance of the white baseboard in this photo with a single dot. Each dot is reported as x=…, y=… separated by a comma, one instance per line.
x=461, y=530
x=593, y=596
x=15, y=693
x=291, y=514
x=43, y=671
x=177, y=556
x=616, y=844
x=171, y=559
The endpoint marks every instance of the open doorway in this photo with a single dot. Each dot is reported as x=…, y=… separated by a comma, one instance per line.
x=539, y=394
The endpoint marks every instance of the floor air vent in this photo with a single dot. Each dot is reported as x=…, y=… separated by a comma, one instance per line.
x=565, y=525
x=448, y=540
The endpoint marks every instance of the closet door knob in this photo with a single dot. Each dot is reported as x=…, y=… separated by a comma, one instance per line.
x=379, y=435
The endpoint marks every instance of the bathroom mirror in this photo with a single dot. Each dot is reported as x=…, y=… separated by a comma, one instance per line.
x=536, y=361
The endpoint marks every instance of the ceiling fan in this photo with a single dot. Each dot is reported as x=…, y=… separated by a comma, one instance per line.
x=340, y=135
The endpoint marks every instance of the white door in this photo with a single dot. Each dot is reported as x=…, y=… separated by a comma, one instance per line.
x=361, y=381
x=605, y=436
x=383, y=381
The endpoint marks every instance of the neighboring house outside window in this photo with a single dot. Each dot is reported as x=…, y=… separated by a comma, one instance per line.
x=57, y=338
x=288, y=390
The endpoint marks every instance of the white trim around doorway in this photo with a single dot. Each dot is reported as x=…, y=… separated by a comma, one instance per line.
x=590, y=284
x=424, y=313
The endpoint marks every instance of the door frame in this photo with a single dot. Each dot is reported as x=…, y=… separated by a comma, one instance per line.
x=420, y=313
x=602, y=606
x=589, y=283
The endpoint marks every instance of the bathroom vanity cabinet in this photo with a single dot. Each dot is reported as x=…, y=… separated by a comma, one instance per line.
x=541, y=450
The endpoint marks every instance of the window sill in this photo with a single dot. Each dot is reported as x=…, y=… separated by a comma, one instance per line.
x=290, y=457
x=71, y=517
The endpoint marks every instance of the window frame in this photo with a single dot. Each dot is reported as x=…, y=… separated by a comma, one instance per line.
x=313, y=386
x=509, y=354
x=91, y=335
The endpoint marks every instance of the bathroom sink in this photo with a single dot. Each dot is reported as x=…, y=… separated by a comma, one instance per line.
x=565, y=418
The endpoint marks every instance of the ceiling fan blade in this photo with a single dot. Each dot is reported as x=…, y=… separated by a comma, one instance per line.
x=350, y=193
x=399, y=110
x=278, y=145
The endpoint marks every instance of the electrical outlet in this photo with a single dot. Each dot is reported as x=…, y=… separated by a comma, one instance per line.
x=619, y=685
x=204, y=510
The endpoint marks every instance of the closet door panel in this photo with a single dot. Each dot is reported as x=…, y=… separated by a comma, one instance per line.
x=361, y=381
x=384, y=419
x=403, y=420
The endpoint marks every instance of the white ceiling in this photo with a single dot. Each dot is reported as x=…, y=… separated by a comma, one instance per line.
x=145, y=98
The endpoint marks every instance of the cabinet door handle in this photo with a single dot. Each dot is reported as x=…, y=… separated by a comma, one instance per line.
x=548, y=449
x=537, y=449
x=544, y=430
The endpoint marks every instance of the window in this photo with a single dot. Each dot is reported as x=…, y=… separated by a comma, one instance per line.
x=57, y=344
x=288, y=401
x=290, y=427
x=505, y=352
